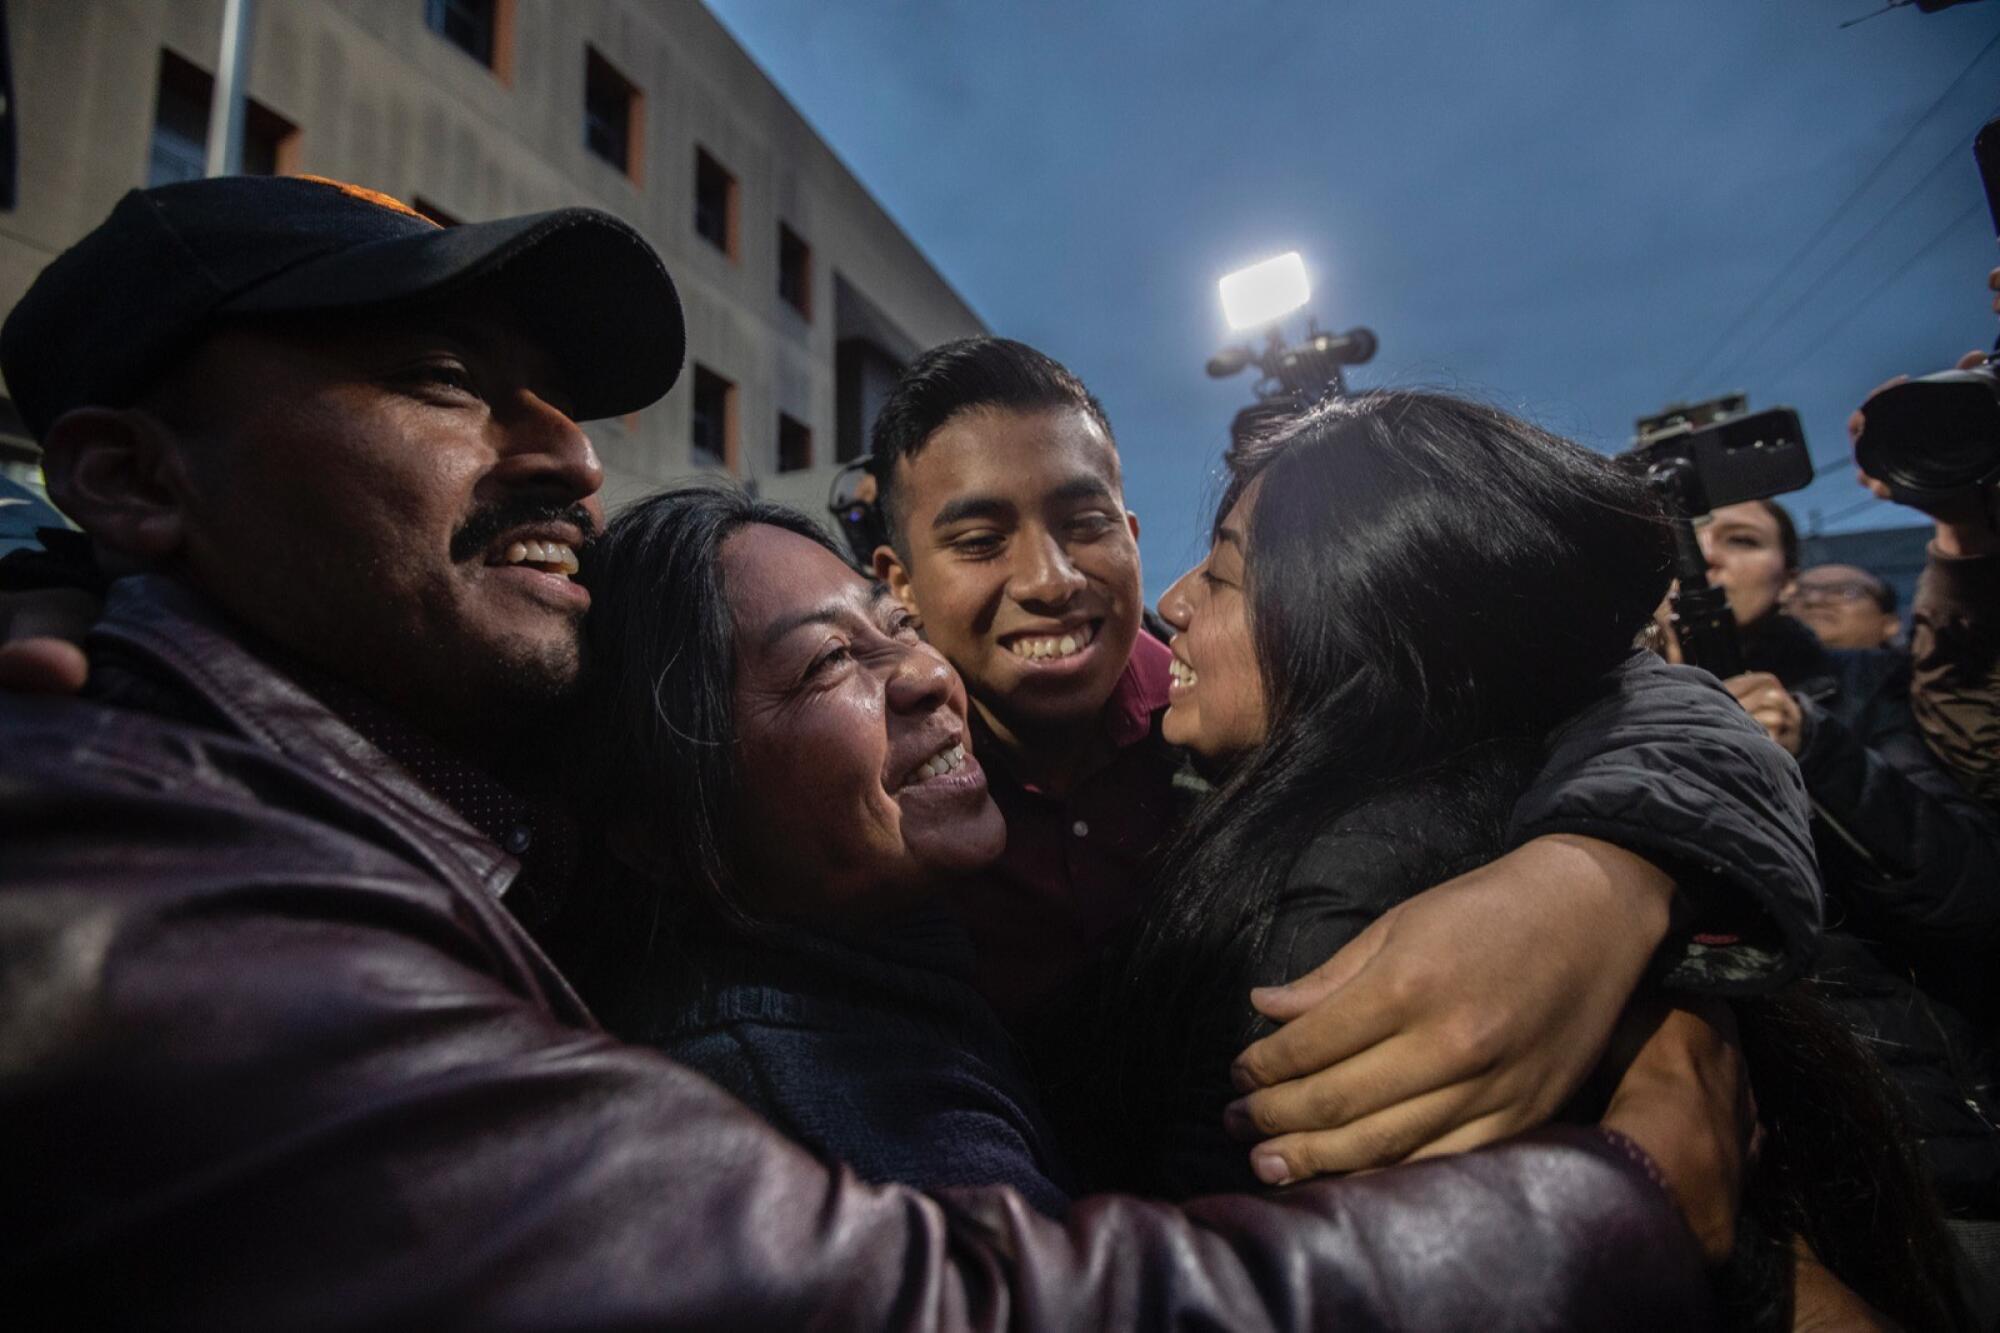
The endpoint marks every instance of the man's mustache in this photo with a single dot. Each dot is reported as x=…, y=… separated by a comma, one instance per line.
x=478, y=532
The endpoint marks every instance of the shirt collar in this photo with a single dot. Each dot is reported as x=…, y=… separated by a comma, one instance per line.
x=536, y=833
x=1140, y=693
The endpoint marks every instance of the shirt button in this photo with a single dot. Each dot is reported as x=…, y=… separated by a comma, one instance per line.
x=518, y=838
x=1081, y=829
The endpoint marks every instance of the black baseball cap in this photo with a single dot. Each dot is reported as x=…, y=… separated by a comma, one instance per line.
x=116, y=309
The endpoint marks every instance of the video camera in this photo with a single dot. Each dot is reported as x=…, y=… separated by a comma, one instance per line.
x=1936, y=440
x=1699, y=457
x=1722, y=453
x=1290, y=376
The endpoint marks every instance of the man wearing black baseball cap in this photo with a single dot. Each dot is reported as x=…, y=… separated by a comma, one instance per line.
x=275, y=1049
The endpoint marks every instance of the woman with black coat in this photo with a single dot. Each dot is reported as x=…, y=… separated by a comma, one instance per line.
x=1405, y=595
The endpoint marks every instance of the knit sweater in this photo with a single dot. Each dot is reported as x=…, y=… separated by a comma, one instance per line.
x=873, y=1050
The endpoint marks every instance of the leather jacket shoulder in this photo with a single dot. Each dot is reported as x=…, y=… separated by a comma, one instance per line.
x=273, y=1054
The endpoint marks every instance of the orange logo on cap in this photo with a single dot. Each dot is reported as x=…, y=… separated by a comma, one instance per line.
x=375, y=197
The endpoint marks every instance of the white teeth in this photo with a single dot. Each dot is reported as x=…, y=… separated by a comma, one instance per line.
x=559, y=554
x=1182, y=673
x=1052, y=645
x=947, y=760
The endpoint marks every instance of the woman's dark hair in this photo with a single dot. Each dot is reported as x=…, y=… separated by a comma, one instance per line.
x=651, y=768
x=1788, y=533
x=1423, y=574
x=1839, y=1170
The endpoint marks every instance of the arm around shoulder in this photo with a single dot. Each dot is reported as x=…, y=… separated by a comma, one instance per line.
x=1667, y=765
x=263, y=1072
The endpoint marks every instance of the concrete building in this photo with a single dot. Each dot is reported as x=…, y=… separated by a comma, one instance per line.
x=803, y=297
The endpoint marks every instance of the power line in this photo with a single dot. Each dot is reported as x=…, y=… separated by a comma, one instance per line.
x=1813, y=348
x=1785, y=269
x=1818, y=285
x=1849, y=511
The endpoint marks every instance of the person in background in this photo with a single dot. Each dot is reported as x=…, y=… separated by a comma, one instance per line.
x=1011, y=545
x=1955, y=652
x=1955, y=626
x=1845, y=606
x=1955, y=681
x=1911, y=862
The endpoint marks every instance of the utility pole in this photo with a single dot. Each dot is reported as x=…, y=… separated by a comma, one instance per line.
x=225, y=110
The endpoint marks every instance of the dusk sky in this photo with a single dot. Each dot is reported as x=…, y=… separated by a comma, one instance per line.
x=1558, y=207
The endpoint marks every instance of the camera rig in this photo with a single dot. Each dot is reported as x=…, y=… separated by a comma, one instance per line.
x=1292, y=375
x=1698, y=457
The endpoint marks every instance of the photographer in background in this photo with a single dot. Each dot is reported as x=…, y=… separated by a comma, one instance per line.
x=1911, y=865
x=1955, y=620
x=1845, y=606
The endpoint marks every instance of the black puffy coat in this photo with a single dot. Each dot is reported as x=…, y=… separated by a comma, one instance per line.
x=1662, y=762
x=1912, y=876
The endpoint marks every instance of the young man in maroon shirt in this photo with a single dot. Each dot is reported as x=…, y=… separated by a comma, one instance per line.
x=1001, y=487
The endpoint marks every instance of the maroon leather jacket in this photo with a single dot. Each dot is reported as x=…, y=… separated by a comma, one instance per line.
x=274, y=1055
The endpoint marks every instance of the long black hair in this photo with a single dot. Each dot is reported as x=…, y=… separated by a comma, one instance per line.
x=1423, y=574
x=651, y=769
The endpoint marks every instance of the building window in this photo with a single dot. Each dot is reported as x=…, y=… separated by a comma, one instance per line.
x=794, y=270
x=612, y=107
x=483, y=29
x=863, y=375
x=795, y=444
x=714, y=203
x=180, y=128
x=466, y=24
x=712, y=433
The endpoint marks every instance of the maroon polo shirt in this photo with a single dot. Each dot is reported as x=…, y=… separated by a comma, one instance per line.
x=1071, y=874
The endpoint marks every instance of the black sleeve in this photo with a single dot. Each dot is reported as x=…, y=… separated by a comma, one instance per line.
x=1342, y=882
x=1666, y=763
x=1914, y=856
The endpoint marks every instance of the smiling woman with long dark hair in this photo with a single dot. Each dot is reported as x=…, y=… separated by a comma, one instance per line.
x=1406, y=592
x=780, y=770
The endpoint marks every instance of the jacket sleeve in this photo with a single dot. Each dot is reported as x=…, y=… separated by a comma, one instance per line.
x=1913, y=854
x=258, y=1071
x=1666, y=764
x=1955, y=660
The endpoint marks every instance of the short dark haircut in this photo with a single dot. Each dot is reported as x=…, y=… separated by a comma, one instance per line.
x=651, y=764
x=962, y=376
